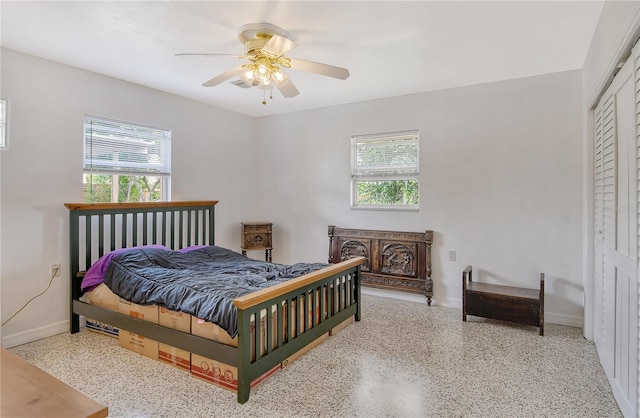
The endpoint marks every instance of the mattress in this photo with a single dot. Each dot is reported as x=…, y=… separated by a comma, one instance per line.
x=202, y=282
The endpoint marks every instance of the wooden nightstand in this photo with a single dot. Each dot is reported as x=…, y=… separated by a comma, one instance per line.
x=257, y=236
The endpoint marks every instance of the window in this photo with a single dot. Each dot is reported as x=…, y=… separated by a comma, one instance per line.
x=3, y=123
x=384, y=170
x=125, y=162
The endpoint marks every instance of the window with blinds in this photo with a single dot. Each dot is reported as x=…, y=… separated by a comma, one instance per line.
x=125, y=162
x=385, y=170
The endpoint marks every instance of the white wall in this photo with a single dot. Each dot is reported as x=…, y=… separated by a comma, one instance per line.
x=42, y=169
x=501, y=182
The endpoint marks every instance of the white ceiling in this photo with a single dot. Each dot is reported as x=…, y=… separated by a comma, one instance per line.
x=391, y=48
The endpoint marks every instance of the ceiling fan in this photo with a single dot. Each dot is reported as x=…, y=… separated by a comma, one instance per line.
x=264, y=48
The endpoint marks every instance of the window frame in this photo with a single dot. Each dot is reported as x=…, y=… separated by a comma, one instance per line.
x=395, y=173
x=133, y=169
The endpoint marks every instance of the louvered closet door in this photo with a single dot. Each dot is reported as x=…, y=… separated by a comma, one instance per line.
x=616, y=235
x=598, y=213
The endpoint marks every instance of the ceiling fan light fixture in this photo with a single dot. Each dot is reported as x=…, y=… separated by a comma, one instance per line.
x=262, y=73
x=265, y=48
x=248, y=75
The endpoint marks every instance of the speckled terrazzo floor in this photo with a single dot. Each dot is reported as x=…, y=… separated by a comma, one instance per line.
x=404, y=359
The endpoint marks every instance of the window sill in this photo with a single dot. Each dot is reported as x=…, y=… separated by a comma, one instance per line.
x=388, y=208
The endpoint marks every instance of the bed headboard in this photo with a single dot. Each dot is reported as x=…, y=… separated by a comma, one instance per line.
x=98, y=228
x=394, y=260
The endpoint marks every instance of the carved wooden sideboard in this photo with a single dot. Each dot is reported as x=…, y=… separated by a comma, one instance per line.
x=394, y=260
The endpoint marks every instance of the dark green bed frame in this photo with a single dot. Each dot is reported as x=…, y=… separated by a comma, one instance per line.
x=96, y=229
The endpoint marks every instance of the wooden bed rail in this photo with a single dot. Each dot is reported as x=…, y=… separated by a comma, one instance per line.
x=132, y=205
x=255, y=298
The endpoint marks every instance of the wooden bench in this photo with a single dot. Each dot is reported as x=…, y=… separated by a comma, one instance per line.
x=28, y=391
x=504, y=303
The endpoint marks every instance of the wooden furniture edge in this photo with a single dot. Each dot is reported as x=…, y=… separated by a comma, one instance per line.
x=30, y=391
x=521, y=292
x=132, y=205
x=426, y=236
x=255, y=298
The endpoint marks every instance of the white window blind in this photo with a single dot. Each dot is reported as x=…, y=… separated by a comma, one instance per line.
x=385, y=170
x=114, y=147
x=386, y=155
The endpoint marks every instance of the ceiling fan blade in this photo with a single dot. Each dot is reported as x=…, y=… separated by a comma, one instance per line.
x=287, y=88
x=278, y=45
x=223, y=77
x=207, y=55
x=318, y=68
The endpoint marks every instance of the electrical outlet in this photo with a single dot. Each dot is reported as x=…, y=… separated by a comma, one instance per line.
x=452, y=255
x=54, y=270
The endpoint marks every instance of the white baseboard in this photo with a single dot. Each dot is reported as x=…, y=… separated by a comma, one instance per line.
x=411, y=297
x=620, y=395
x=24, y=337
x=549, y=317
x=562, y=319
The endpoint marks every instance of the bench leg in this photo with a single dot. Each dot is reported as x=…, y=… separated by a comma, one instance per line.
x=465, y=274
x=541, y=308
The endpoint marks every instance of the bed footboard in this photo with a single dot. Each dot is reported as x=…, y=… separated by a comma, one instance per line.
x=303, y=309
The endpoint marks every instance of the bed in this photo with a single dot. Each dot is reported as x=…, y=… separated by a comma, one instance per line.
x=334, y=291
x=394, y=260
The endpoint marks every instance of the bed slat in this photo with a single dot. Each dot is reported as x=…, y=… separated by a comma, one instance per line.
x=197, y=229
x=112, y=226
x=87, y=242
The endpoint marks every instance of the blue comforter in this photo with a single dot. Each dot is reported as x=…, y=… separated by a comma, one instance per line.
x=202, y=282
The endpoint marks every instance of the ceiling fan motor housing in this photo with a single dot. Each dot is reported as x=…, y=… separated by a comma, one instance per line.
x=254, y=45
x=255, y=35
